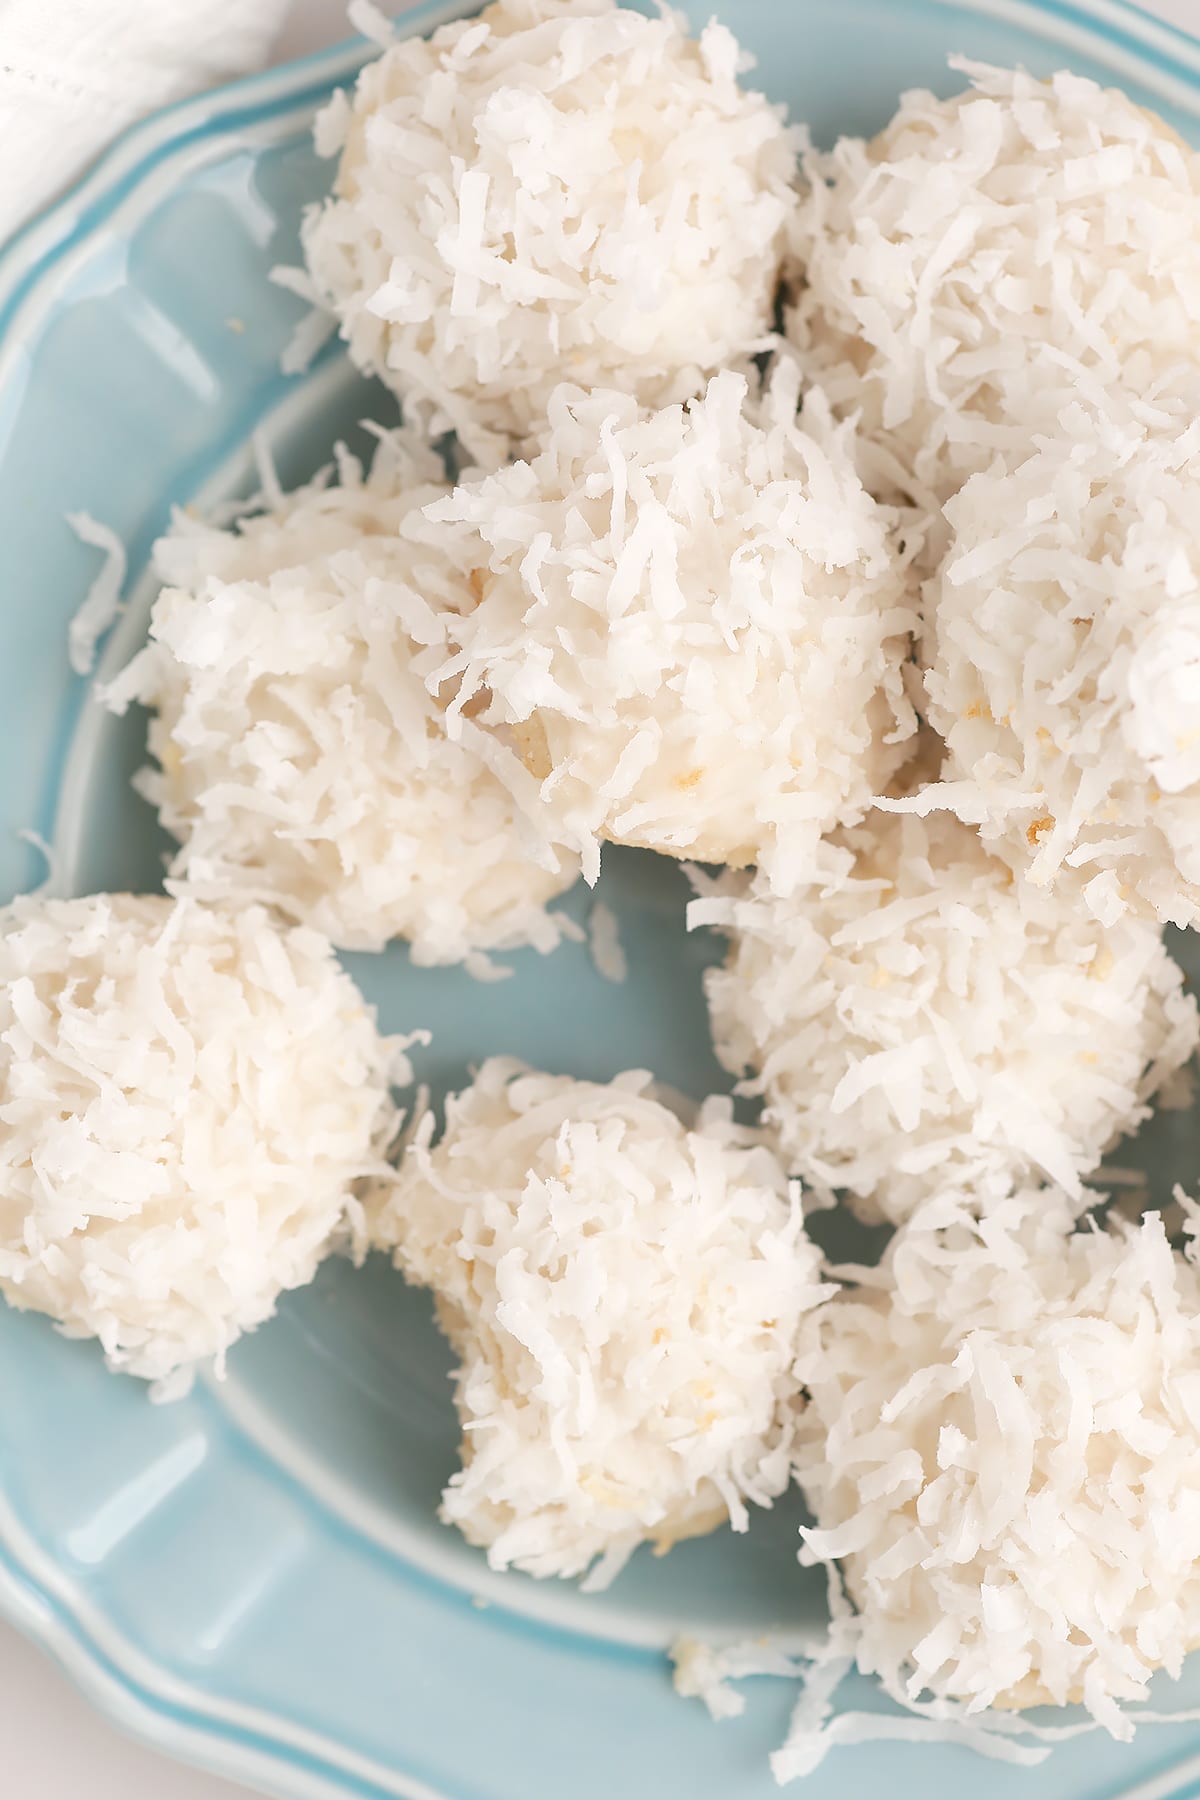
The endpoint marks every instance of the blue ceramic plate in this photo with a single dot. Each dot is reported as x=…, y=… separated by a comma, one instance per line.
x=253, y=1578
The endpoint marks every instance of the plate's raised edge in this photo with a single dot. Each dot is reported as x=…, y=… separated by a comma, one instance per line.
x=1180, y=1783
x=1123, y=20
x=37, y=245
x=135, y=154
x=1159, y=56
x=167, y=1714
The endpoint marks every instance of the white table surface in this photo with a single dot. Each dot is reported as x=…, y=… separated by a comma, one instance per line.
x=55, y=1746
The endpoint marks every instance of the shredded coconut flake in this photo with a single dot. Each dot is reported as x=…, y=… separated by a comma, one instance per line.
x=627, y=1297
x=371, y=22
x=188, y=1102
x=605, y=943
x=311, y=334
x=691, y=621
x=294, y=280
x=300, y=760
x=553, y=187
x=49, y=856
x=705, y=1671
x=102, y=602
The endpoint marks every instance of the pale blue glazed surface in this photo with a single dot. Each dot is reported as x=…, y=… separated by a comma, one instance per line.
x=254, y=1576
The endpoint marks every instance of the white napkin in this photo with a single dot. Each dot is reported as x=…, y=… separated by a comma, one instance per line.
x=74, y=73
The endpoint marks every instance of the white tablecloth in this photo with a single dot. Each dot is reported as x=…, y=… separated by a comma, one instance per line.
x=55, y=1747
